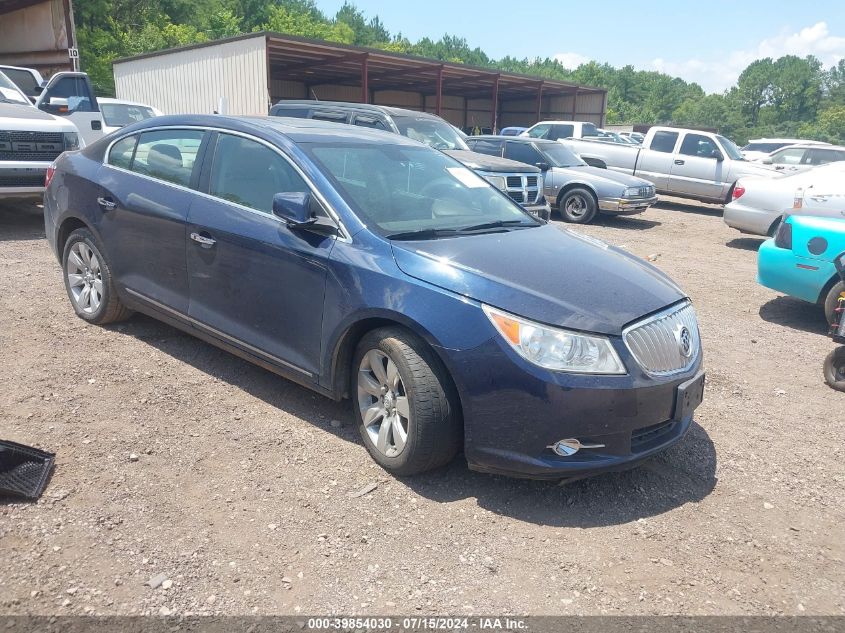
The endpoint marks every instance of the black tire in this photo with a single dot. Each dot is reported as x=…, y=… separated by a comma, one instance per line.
x=578, y=206
x=834, y=369
x=434, y=425
x=831, y=300
x=109, y=309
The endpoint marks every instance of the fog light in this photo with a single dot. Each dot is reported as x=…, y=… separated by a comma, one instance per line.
x=568, y=447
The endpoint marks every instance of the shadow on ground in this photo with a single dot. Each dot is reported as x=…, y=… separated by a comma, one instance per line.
x=681, y=206
x=795, y=314
x=684, y=474
x=746, y=243
x=21, y=221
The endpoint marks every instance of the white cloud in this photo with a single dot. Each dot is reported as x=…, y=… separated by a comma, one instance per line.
x=716, y=75
x=571, y=60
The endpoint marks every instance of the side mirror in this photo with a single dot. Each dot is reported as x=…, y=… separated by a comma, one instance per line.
x=294, y=208
x=543, y=166
x=767, y=160
x=297, y=210
x=58, y=104
x=717, y=155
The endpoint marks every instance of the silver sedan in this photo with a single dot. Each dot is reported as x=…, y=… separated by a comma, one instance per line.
x=579, y=191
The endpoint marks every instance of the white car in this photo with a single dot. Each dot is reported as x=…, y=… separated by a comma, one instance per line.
x=758, y=203
x=30, y=140
x=118, y=113
x=758, y=148
x=795, y=158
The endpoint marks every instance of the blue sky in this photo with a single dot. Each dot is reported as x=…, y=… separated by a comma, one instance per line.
x=708, y=42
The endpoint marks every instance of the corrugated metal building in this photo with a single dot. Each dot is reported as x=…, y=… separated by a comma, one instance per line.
x=249, y=73
x=37, y=34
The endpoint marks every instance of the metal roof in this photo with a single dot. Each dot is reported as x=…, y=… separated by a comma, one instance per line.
x=319, y=62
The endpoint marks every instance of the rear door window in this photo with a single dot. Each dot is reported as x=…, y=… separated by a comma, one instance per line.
x=121, y=152
x=167, y=155
x=664, y=141
x=249, y=173
x=561, y=131
x=822, y=156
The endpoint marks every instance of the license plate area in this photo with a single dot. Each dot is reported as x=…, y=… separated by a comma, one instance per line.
x=688, y=396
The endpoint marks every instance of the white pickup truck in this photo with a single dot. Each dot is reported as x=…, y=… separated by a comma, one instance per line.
x=680, y=162
x=30, y=140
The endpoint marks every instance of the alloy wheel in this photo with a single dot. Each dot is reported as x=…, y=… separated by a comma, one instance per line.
x=576, y=206
x=85, y=278
x=383, y=403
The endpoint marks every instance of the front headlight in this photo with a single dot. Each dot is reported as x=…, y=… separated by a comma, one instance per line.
x=496, y=181
x=555, y=348
x=71, y=141
x=631, y=192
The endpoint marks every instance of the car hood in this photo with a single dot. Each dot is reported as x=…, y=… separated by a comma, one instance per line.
x=749, y=168
x=597, y=174
x=546, y=274
x=483, y=162
x=25, y=117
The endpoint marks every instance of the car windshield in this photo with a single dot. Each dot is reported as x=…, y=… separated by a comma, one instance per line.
x=401, y=191
x=120, y=114
x=433, y=132
x=730, y=148
x=558, y=155
x=10, y=93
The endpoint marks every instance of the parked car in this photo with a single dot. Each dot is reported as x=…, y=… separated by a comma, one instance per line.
x=759, y=148
x=577, y=190
x=118, y=113
x=366, y=266
x=512, y=131
x=556, y=130
x=29, y=80
x=793, y=158
x=683, y=163
x=635, y=136
x=758, y=203
x=522, y=183
x=29, y=142
x=799, y=260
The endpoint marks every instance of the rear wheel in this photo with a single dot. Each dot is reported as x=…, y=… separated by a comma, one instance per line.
x=834, y=369
x=89, y=282
x=578, y=206
x=832, y=300
x=407, y=414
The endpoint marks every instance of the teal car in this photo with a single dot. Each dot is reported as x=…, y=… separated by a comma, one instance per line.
x=798, y=261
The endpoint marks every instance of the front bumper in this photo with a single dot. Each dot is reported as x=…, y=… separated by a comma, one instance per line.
x=22, y=180
x=625, y=206
x=515, y=412
x=541, y=209
x=800, y=277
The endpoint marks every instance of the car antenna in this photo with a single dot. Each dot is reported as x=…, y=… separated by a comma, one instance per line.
x=313, y=92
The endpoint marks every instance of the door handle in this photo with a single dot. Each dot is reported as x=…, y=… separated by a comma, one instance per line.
x=679, y=162
x=202, y=240
x=106, y=204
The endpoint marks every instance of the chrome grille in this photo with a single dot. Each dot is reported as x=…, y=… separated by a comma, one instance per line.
x=523, y=188
x=655, y=342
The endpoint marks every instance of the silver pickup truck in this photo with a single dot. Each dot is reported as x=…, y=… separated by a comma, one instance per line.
x=685, y=163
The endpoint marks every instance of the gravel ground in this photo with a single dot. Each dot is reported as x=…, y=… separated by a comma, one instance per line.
x=234, y=490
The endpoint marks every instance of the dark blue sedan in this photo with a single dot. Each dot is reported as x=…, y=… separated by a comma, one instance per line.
x=366, y=266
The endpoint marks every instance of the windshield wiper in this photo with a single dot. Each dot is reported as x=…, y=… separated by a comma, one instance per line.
x=423, y=234
x=498, y=224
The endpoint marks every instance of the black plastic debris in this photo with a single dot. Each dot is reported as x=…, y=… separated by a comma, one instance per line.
x=24, y=470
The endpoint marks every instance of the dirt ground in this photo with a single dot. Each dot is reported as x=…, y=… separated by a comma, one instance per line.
x=240, y=491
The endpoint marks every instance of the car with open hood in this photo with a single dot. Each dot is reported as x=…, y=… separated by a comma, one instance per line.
x=369, y=267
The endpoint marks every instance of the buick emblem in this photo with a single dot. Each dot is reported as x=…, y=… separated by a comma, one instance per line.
x=684, y=337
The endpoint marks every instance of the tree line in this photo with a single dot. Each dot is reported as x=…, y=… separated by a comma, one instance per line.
x=785, y=97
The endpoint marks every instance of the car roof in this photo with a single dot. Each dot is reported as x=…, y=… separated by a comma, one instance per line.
x=359, y=107
x=791, y=141
x=296, y=129
x=809, y=146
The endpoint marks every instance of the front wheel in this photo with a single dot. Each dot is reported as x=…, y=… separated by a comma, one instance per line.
x=832, y=301
x=834, y=369
x=578, y=206
x=403, y=402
